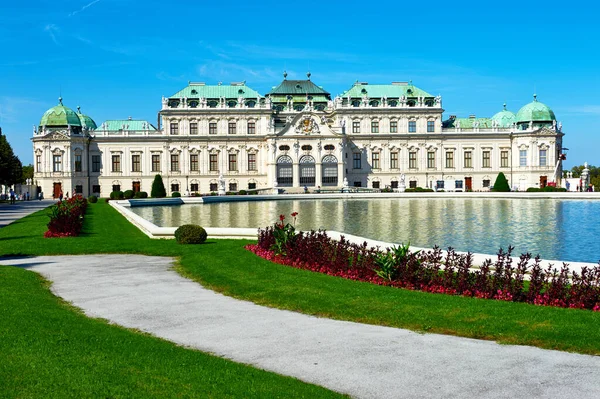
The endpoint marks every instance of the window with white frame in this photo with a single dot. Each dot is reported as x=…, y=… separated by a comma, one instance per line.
x=57, y=163
x=412, y=126
x=174, y=128
x=374, y=126
x=543, y=157
x=486, y=159
x=193, y=127
x=252, y=162
x=522, y=157
x=468, y=159
x=355, y=127
x=430, y=159
x=412, y=160
x=450, y=159
x=393, y=126
x=430, y=126
x=504, y=159
x=375, y=160
x=394, y=160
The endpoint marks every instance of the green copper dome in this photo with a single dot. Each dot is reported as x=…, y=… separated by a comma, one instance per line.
x=505, y=118
x=535, y=111
x=60, y=116
x=86, y=121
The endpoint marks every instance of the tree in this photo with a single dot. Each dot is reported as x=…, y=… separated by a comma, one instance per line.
x=501, y=183
x=27, y=173
x=158, y=188
x=11, y=169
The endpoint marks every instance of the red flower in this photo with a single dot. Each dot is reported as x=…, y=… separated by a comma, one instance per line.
x=294, y=214
x=281, y=217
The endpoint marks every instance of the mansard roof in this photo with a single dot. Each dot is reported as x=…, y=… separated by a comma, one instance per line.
x=468, y=123
x=202, y=90
x=394, y=90
x=302, y=87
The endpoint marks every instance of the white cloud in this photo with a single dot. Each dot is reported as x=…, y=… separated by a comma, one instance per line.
x=52, y=30
x=84, y=7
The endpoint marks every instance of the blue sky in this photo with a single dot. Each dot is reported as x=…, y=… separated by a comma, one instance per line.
x=116, y=58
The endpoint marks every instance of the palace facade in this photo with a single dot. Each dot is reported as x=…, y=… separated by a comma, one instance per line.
x=296, y=135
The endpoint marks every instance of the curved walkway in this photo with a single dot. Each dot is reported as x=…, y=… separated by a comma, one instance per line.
x=364, y=361
x=11, y=212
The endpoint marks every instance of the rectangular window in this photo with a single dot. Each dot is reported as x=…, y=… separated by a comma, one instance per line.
x=468, y=159
x=175, y=163
x=394, y=127
x=38, y=163
x=174, y=128
x=412, y=184
x=458, y=184
x=375, y=160
x=450, y=159
x=504, y=159
x=486, y=183
x=194, y=187
x=78, y=189
x=96, y=188
x=430, y=159
x=193, y=128
x=430, y=126
x=232, y=186
x=523, y=158
x=251, y=161
x=395, y=184
x=412, y=160
x=251, y=128
x=95, y=163
x=116, y=163
x=543, y=157
x=155, y=162
x=232, y=128
x=251, y=186
x=394, y=160
x=213, y=187
x=412, y=126
x=374, y=126
x=356, y=127
x=57, y=163
x=232, y=162
x=356, y=160
x=376, y=184
x=212, y=128
x=193, y=162
x=212, y=163
x=174, y=187
x=116, y=187
x=135, y=163
x=78, y=163
x=485, y=161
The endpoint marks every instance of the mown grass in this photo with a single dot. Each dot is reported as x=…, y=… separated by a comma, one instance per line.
x=225, y=266
x=50, y=350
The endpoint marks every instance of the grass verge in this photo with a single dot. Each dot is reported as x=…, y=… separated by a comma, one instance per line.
x=225, y=266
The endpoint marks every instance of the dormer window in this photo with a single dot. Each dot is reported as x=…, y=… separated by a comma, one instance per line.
x=231, y=104
x=193, y=104
x=364, y=91
x=240, y=91
x=411, y=103
x=194, y=91
x=374, y=103
x=284, y=147
x=173, y=103
x=329, y=147
x=320, y=107
x=279, y=108
x=299, y=107
x=251, y=104
x=393, y=103
x=356, y=103
x=306, y=148
x=212, y=104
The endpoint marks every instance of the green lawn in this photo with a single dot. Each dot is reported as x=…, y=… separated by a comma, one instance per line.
x=50, y=350
x=225, y=266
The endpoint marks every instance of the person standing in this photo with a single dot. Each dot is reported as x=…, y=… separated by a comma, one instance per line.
x=12, y=196
x=60, y=196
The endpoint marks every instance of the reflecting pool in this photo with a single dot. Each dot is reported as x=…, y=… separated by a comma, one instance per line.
x=555, y=229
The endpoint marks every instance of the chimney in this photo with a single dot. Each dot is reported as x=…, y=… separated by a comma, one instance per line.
x=472, y=116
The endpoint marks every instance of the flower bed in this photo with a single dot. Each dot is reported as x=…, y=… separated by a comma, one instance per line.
x=66, y=217
x=431, y=271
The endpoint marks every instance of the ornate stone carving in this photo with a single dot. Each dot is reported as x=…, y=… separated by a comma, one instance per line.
x=307, y=125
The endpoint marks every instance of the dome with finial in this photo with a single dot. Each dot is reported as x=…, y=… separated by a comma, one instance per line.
x=86, y=121
x=505, y=118
x=535, y=111
x=60, y=116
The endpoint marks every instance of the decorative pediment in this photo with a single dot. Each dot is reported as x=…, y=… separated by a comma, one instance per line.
x=57, y=136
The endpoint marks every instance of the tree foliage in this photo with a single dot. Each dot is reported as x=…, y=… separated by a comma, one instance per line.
x=158, y=188
x=11, y=169
x=27, y=173
x=594, y=174
x=501, y=184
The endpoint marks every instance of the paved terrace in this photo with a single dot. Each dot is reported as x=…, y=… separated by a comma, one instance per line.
x=9, y=213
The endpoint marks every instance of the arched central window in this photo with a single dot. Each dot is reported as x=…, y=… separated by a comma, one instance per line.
x=307, y=171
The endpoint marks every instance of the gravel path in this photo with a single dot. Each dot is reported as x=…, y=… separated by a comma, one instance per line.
x=362, y=360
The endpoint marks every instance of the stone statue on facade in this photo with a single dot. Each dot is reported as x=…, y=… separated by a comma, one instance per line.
x=221, y=184
x=560, y=126
x=402, y=184
x=164, y=102
x=437, y=100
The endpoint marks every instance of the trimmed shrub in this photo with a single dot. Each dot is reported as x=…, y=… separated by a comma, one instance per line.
x=190, y=234
x=158, y=188
x=176, y=194
x=128, y=194
x=242, y=192
x=501, y=184
x=141, y=194
x=533, y=190
x=419, y=190
x=92, y=199
x=116, y=195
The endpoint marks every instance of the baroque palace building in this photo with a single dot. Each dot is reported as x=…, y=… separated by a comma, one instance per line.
x=296, y=135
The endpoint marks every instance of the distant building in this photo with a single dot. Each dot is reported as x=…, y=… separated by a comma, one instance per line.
x=296, y=135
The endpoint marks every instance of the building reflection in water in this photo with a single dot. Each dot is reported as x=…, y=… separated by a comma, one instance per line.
x=555, y=229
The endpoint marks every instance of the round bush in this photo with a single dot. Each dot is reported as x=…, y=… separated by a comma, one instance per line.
x=116, y=195
x=141, y=194
x=176, y=194
x=242, y=192
x=190, y=234
x=92, y=199
x=128, y=194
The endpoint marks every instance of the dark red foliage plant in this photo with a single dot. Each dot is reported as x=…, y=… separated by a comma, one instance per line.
x=430, y=271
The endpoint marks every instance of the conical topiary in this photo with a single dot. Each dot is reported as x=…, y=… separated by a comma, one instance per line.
x=501, y=183
x=158, y=188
